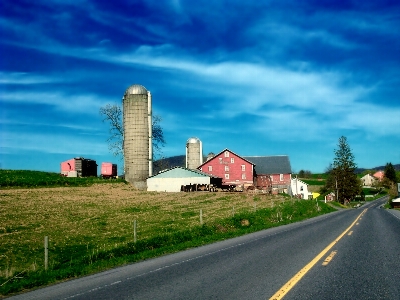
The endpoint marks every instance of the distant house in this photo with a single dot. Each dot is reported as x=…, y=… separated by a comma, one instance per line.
x=172, y=180
x=368, y=180
x=232, y=168
x=379, y=175
x=396, y=203
x=300, y=189
x=278, y=169
x=330, y=197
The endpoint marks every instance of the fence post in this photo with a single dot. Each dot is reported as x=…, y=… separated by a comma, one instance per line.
x=134, y=231
x=46, y=252
x=201, y=217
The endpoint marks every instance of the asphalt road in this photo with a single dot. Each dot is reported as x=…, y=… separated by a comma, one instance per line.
x=354, y=254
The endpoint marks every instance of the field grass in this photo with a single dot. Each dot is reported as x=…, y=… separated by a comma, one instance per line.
x=90, y=228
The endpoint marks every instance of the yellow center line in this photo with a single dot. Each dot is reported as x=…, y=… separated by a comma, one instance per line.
x=296, y=278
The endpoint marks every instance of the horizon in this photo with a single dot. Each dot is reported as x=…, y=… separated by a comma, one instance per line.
x=261, y=79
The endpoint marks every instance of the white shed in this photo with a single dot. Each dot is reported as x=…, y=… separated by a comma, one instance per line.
x=171, y=180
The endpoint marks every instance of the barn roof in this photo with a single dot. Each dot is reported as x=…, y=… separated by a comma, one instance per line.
x=226, y=149
x=179, y=172
x=277, y=164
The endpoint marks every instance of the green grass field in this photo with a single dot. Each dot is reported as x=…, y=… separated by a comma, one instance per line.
x=33, y=179
x=90, y=227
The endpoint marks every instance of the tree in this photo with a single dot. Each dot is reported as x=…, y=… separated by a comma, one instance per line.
x=347, y=184
x=390, y=173
x=305, y=174
x=112, y=114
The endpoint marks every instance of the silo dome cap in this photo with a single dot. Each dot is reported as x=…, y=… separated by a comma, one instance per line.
x=193, y=140
x=136, y=89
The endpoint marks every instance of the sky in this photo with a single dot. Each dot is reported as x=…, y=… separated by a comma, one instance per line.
x=257, y=77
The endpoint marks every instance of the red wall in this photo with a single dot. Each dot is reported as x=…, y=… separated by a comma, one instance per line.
x=234, y=169
x=276, y=179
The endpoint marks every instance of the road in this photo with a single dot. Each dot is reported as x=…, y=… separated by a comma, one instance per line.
x=348, y=254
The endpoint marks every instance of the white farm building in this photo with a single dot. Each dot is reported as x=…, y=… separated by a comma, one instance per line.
x=172, y=180
x=300, y=189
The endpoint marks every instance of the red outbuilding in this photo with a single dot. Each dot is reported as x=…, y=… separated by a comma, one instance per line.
x=108, y=170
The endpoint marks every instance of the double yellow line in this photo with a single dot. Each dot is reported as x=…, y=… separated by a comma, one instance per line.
x=296, y=278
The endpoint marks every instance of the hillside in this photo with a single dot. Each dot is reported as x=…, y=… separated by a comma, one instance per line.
x=360, y=170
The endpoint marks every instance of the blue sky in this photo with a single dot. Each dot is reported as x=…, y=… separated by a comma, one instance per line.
x=256, y=77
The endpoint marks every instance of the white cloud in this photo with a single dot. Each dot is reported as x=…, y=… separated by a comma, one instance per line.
x=84, y=104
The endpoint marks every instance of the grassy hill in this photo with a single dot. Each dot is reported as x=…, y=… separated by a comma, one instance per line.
x=33, y=179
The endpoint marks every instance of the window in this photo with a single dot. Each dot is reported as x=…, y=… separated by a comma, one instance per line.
x=226, y=168
x=226, y=154
x=301, y=188
x=232, y=160
x=243, y=167
x=243, y=176
x=210, y=168
x=220, y=160
x=281, y=177
x=226, y=176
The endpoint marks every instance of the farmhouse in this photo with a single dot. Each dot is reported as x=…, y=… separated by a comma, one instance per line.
x=278, y=169
x=368, y=180
x=173, y=179
x=232, y=168
x=300, y=189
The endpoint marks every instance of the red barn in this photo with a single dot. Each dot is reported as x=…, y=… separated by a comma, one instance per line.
x=232, y=168
x=277, y=168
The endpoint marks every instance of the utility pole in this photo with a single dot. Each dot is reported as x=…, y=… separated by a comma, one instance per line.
x=337, y=191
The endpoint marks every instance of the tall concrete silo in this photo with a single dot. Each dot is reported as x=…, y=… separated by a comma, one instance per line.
x=194, y=153
x=137, y=135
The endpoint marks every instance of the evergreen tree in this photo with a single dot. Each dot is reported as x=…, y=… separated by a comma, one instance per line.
x=347, y=184
x=390, y=172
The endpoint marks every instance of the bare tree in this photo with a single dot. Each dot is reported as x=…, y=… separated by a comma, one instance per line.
x=112, y=114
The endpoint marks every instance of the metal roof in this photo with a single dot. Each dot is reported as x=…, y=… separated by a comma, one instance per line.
x=278, y=164
x=193, y=140
x=226, y=149
x=179, y=172
x=136, y=89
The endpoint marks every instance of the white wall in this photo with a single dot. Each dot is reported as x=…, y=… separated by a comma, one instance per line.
x=173, y=184
x=299, y=188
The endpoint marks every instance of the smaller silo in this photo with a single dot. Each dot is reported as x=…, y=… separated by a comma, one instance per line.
x=194, y=153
